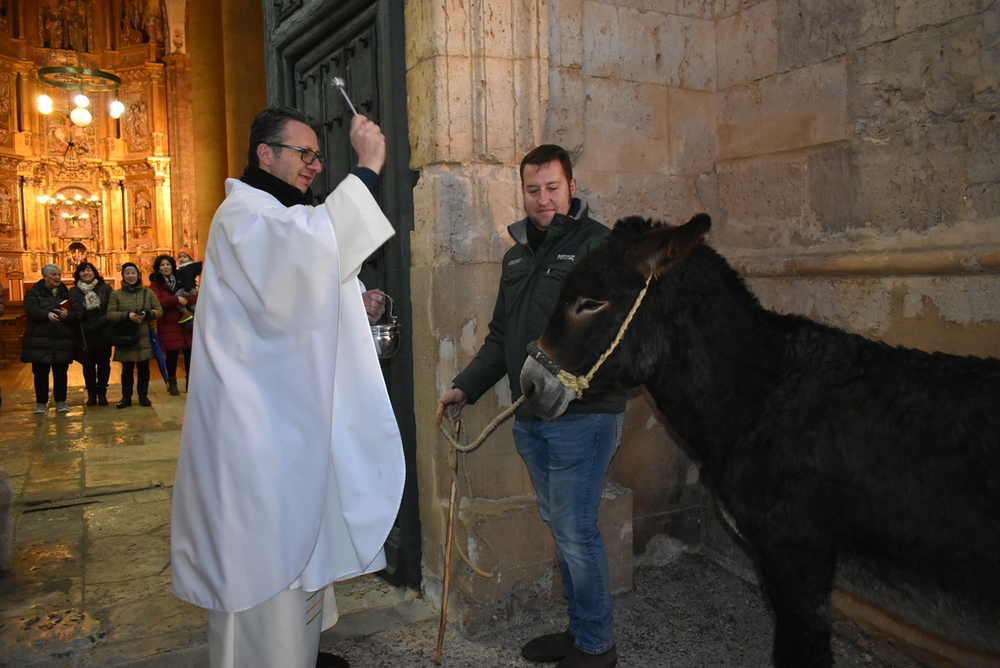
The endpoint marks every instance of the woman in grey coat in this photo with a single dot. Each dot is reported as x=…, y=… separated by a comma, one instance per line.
x=136, y=303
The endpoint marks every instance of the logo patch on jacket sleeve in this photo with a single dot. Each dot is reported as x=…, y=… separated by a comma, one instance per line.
x=513, y=262
x=566, y=257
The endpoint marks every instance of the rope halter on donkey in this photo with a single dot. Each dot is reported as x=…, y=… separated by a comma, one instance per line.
x=579, y=384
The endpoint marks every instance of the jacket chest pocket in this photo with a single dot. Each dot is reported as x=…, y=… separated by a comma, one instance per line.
x=515, y=276
x=557, y=274
x=548, y=285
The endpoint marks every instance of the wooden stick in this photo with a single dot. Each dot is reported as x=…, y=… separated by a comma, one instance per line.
x=447, y=571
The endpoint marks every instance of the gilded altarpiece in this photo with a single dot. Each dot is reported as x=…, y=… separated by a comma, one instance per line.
x=100, y=192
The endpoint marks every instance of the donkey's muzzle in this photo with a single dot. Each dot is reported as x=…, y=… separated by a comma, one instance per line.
x=545, y=393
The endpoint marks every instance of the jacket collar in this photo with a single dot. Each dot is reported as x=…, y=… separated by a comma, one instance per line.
x=135, y=287
x=43, y=287
x=561, y=223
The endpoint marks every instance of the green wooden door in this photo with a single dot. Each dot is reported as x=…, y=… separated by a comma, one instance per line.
x=307, y=44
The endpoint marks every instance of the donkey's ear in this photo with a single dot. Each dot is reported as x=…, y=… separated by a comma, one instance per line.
x=662, y=248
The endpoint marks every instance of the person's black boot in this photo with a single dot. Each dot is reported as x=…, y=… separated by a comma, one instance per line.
x=144, y=401
x=172, y=387
x=327, y=660
x=548, y=648
x=577, y=658
x=127, y=386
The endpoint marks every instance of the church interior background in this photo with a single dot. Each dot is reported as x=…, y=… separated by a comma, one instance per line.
x=98, y=190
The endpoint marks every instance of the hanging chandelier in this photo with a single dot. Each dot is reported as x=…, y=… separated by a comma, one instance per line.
x=80, y=79
x=76, y=200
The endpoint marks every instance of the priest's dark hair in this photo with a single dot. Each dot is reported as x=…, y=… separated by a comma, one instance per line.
x=269, y=128
x=545, y=154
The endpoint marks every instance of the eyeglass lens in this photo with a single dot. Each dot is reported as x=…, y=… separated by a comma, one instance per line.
x=309, y=156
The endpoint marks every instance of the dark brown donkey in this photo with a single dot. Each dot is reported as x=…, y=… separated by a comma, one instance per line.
x=823, y=446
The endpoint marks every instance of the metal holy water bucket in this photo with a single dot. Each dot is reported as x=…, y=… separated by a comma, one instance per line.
x=387, y=336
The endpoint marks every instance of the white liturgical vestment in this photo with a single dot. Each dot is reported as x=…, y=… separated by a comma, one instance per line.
x=291, y=465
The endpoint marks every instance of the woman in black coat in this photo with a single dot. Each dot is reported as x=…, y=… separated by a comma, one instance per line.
x=94, y=293
x=49, y=338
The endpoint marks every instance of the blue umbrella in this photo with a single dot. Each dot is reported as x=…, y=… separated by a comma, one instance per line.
x=154, y=339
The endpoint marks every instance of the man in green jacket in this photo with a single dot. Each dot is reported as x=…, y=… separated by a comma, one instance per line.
x=567, y=458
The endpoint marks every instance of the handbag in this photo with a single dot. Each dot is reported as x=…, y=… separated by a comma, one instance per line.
x=81, y=353
x=125, y=333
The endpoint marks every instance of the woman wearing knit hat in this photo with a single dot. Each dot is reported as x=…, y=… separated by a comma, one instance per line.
x=136, y=303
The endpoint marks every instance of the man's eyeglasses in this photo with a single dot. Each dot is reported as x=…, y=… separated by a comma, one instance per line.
x=308, y=155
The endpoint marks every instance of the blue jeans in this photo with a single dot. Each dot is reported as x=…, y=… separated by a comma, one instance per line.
x=567, y=459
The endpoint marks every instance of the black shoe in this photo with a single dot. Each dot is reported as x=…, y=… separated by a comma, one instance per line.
x=102, y=399
x=144, y=401
x=91, y=399
x=125, y=402
x=577, y=658
x=327, y=660
x=548, y=648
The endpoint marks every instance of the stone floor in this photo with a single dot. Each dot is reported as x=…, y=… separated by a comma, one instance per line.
x=90, y=582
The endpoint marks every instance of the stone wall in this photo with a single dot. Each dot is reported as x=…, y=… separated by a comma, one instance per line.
x=856, y=176
x=633, y=98
x=477, y=88
x=880, y=121
x=846, y=150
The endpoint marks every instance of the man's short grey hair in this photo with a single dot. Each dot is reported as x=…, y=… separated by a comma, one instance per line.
x=49, y=268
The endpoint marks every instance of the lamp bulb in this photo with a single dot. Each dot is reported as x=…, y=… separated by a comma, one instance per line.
x=82, y=100
x=44, y=104
x=80, y=117
x=117, y=109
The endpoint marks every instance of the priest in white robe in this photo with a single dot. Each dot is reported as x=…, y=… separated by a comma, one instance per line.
x=291, y=466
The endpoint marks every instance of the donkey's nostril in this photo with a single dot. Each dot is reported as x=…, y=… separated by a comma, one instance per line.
x=527, y=387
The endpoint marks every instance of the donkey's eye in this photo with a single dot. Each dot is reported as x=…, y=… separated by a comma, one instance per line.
x=589, y=306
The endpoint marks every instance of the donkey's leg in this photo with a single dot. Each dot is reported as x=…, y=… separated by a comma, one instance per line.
x=797, y=580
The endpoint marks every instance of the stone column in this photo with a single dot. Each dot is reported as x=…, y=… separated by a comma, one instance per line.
x=36, y=221
x=163, y=216
x=477, y=81
x=180, y=124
